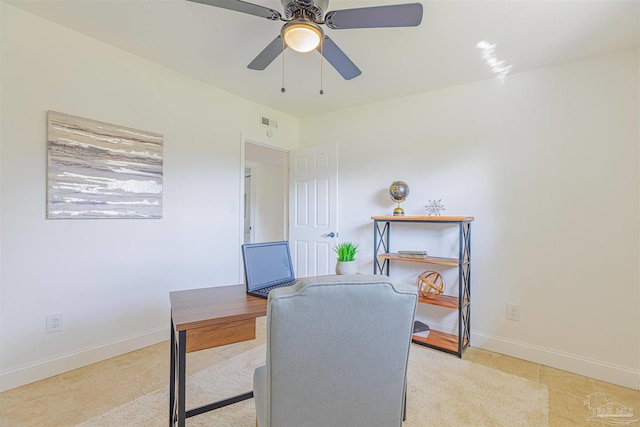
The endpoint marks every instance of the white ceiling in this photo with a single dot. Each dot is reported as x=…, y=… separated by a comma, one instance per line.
x=215, y=45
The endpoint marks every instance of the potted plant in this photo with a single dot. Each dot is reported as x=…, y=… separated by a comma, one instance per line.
x=346, y=252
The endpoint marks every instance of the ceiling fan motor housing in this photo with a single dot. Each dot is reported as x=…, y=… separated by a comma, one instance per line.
x=310, y=9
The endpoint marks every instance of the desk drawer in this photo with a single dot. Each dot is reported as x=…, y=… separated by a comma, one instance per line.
x=223, y=334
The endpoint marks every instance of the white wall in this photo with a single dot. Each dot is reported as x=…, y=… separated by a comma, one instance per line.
x=270, y=207
x=111, y=278
x=548, y=165
x=270, y=186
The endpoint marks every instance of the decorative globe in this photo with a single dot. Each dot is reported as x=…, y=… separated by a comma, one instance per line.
x=430, y=284
x=398, y=191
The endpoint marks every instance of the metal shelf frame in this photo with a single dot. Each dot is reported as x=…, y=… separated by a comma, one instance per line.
x=381, y=241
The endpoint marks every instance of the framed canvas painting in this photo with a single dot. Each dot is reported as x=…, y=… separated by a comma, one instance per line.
x=102, y=170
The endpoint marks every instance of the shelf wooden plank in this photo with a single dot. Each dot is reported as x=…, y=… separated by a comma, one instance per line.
x=440, y=339
x=449, y=262
x=446, y=301
x=424, y=218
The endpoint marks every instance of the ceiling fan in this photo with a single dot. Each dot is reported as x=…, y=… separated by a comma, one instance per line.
x=302, y=31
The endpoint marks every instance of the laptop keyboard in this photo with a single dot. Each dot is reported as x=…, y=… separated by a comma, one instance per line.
x=281, y=285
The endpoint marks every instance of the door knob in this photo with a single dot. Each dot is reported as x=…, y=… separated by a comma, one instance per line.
x=332, y=234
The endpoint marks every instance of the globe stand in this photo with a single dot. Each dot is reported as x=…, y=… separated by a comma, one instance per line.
x=398, y=211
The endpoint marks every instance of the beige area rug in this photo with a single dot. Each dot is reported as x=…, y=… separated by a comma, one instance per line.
x=443, y=391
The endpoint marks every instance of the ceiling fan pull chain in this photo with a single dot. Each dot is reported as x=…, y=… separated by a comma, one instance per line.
x=283, y=90
x=321, y=61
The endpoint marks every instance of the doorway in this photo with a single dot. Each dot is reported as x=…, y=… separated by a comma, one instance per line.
x=266, y=196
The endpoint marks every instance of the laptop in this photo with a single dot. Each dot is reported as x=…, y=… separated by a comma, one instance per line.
x=267, y=266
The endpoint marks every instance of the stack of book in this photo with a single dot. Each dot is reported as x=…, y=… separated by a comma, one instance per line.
x=420, y=329
x=412, y=254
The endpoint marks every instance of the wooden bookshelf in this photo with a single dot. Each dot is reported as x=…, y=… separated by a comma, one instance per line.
x=460, y=303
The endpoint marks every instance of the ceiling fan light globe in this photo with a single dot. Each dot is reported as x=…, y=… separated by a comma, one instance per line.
x=302, y=37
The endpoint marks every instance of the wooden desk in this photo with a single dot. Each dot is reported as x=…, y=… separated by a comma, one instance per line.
x=205, y=318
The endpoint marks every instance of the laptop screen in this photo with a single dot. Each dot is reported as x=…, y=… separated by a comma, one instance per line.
x=267, y=264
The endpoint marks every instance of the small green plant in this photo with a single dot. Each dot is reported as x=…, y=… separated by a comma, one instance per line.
x=346, y=251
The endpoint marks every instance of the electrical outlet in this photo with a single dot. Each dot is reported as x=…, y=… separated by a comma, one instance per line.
x=54, y=323
x=513, y=312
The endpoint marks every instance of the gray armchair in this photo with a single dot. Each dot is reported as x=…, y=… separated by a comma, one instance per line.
x=337, y=352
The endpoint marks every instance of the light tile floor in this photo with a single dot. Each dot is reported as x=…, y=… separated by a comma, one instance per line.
x=75, y=396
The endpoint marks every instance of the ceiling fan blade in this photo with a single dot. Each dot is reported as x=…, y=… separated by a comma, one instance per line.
x=244, y=7
x=338, y=59
x=267, y=56
x=399, y=15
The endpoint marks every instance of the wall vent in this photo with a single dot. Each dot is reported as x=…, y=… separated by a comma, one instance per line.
x=270, y=123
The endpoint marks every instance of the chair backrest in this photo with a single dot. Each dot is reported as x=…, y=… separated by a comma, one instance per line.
x=337, y=352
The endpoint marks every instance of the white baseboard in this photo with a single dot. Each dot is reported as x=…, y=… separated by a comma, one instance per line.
x=615, y=374
x=49, y=367
x=604, y=371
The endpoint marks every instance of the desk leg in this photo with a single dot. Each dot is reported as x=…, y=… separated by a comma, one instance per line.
x=177, y=410
x=182, y=364
x=172, y=378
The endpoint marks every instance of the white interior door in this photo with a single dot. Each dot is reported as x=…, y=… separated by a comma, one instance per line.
x=313, y=209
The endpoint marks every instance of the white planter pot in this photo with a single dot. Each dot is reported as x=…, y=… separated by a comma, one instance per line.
x=346, y=267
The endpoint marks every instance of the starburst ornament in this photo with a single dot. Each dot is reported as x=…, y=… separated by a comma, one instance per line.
x=434, y=207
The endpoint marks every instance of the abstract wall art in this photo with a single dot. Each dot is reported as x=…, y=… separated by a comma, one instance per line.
x=102, y=170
